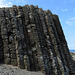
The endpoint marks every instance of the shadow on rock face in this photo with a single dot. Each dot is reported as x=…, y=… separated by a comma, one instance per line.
x=73, y=61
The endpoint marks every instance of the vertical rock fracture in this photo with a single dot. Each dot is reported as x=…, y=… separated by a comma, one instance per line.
x=33, y=39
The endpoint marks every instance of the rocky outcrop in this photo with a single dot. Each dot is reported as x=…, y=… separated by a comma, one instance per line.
x=33, y=39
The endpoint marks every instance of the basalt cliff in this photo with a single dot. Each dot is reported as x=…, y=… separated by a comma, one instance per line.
x=33, y=39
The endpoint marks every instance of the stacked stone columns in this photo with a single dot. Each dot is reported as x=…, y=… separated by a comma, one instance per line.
x=33, y=39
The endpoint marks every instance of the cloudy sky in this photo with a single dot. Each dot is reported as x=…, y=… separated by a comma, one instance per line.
x=65, y=9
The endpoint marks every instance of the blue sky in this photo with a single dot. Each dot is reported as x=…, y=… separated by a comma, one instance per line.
x=65, y=9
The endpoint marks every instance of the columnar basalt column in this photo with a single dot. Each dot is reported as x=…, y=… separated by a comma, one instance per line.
x=33, y=39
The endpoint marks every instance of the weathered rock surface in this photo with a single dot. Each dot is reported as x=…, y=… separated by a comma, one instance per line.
x=33, y=39
x=11, y=70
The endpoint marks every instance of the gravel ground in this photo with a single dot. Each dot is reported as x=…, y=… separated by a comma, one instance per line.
x=11, y=70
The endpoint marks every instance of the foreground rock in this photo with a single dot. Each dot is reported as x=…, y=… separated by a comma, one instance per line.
x=33, y=39
x=10, y=70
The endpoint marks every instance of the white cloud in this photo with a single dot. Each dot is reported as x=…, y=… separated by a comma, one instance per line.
x=64, y=9
x=74, y=9
x=4, y=3
x=73, y=18
x=71, y=21
x=8, y=3
x=22, y=2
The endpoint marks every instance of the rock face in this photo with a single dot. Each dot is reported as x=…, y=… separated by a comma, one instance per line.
x=33, y=39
